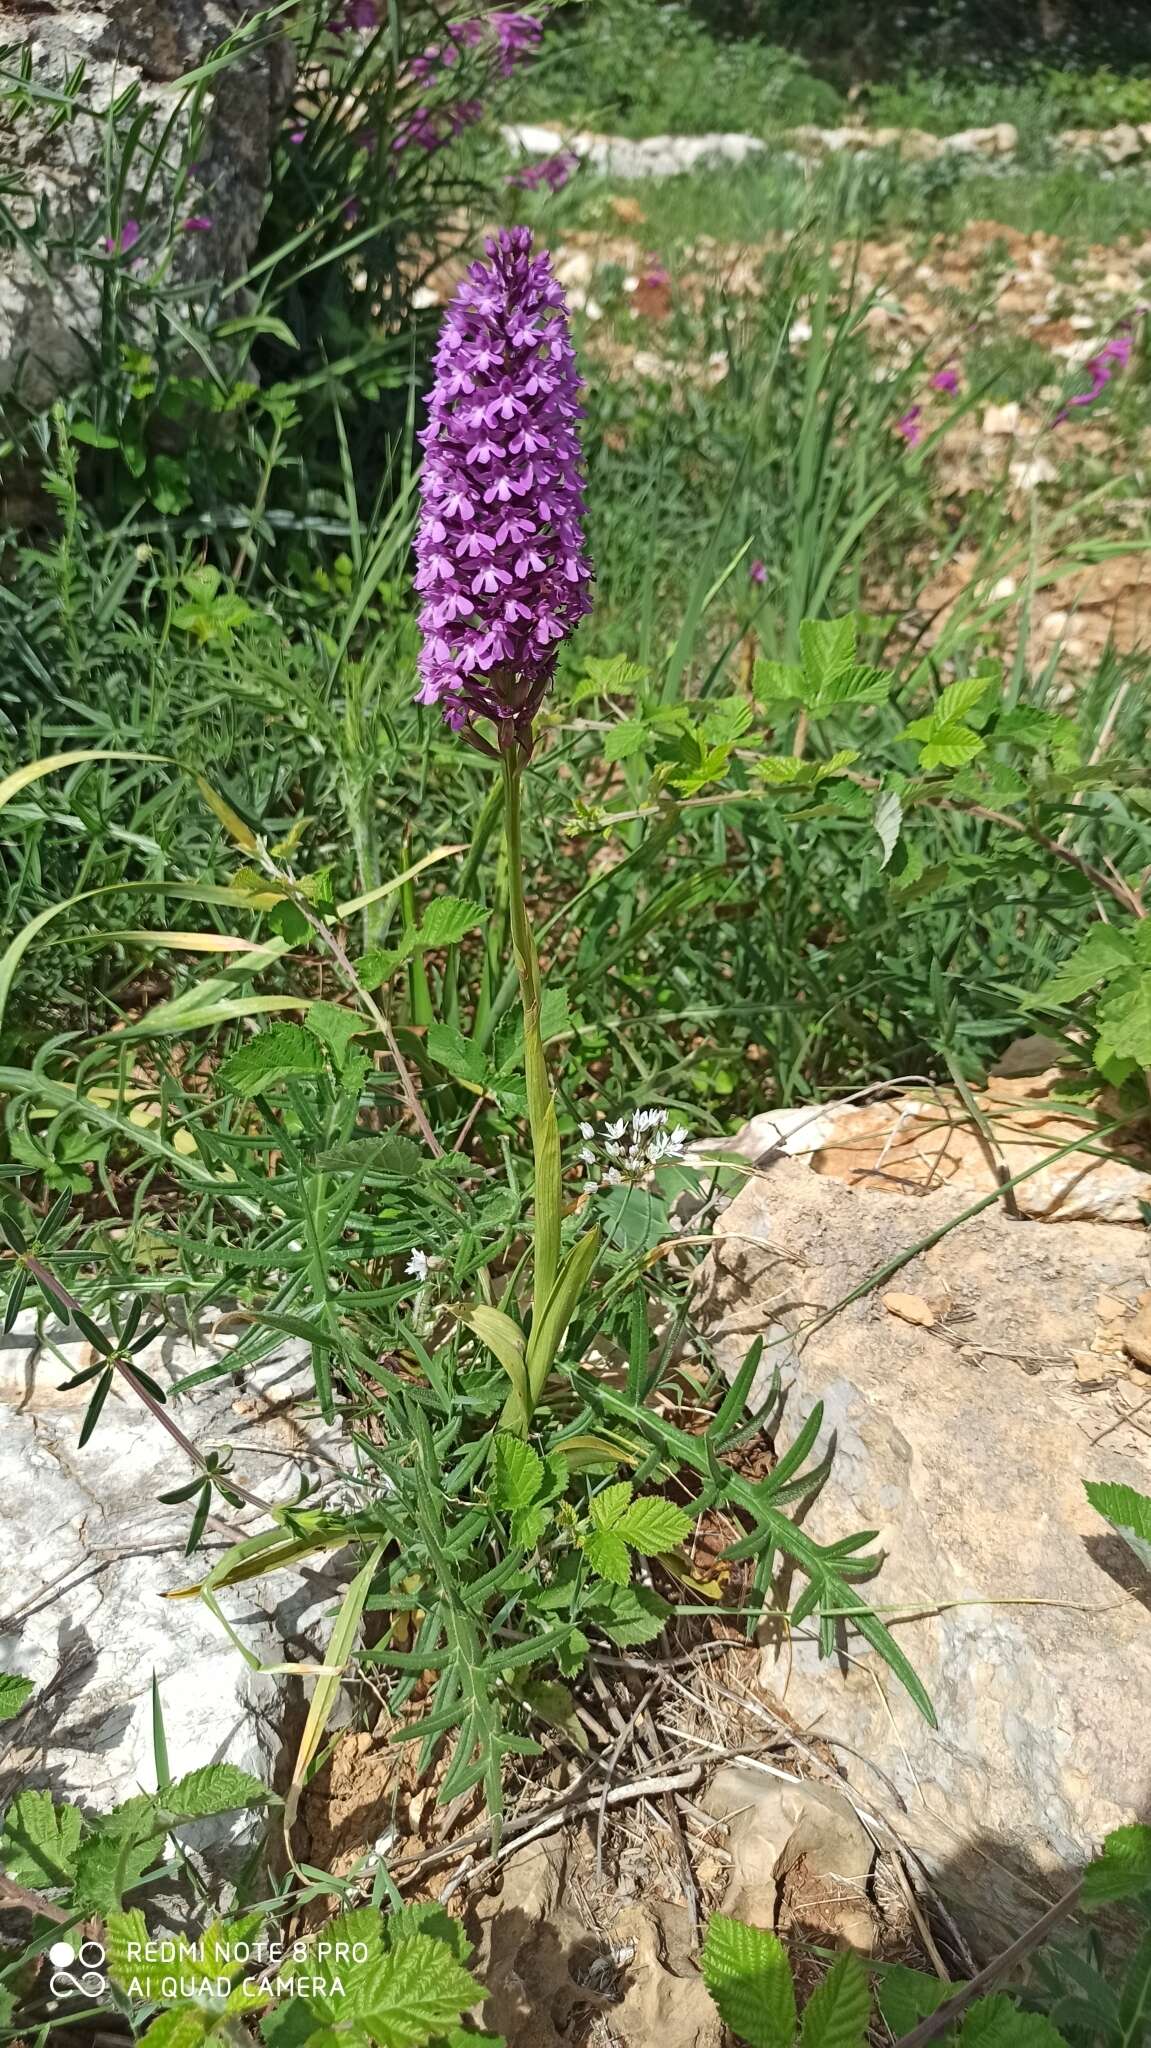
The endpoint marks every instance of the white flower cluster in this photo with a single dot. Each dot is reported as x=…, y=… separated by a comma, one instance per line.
x=627, y=1149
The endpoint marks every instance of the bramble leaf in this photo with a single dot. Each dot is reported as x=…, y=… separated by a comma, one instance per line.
x=517, y=1473
x=281, y=1050
x=606, y=1553
x=14, y=1692
x=836, y=2014
x=652, y=1525
x=1122, y=1870
x=748, y=1975
x=40, y=1841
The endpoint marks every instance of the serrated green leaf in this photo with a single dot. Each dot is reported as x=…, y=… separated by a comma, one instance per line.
x=608, y=675
x=517, y=1473
x=628, y=1614
x=445, y=921
x=651, y=1525
x=381, y=963
x=828, y=650
x=960, y=698
x=907, y=1996
x=1128, y=1512
x=14, y=1692
x=1125, y=1018
x=290, y=2025
x=40, y=1841
x=121, y=1931
x=997, y=2022
x=1106, y=951
x=185, y=2026
x=777, y=682
x=606, y=1553
x=335, y=1027
x=861, y=685
x=111, y=1861
x=459, y=1056
x=271, y=1056
x=1135, y=1996
x=609, y=1504
x=216, y=1788
x=626, y=740
x=748, y=1975
x=888, y=822
x=837, y=2013
x=949, y=746
x=410, y=1993
x=1122, y=1870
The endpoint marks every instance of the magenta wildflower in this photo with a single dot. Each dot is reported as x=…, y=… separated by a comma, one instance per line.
x=500, y=544
x=296, y=134
x=553, y=171
x=1117, y=352
x=118, y=245
x=418, y=131
x=655, y=277
x=946, y=380
x=910, y=426
x=518, y=36
x=199, y=224
x=758, y=571
x=363, y=15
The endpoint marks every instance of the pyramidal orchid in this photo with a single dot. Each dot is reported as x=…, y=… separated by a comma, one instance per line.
x=503, y=572
x=504, y=578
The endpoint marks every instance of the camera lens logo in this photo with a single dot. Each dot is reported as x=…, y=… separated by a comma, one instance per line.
x=88, y=1980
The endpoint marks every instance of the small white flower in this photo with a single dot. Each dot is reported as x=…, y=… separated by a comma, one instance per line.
x=587, y=1156
x=617, y=1129
x=418, y=1266
x=587, y=1130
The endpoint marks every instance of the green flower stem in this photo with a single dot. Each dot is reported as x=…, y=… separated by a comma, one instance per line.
x=541, y=1101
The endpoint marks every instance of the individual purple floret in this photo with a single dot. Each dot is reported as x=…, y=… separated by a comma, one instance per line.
x=500, y=545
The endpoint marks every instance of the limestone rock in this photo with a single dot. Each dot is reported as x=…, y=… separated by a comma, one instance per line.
x=775, y=1828
x=966, y=1445
x=88, y=1554
x=655, y=156
x=1001, y=139
x=52, y=291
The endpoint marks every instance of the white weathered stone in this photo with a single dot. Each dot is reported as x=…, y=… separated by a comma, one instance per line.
x=617, y=156
x=88, y=1557
x=966, y=1445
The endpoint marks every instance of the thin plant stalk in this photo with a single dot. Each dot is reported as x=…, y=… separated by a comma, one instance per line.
x=541, y=1101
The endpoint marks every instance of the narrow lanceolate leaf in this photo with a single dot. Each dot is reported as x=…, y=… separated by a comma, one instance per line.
x=1122, y=1870
x=837, y=2013
x=1135, y=1998
x=324, y=1697
x=32, y=771
x=14, y=1692
x=505, y=1340
x=749, y=1977
x=1128, y=1512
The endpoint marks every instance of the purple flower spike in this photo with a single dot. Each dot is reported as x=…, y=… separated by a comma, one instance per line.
x=500, y=545
x=758, y=571
x=199, y=224
x=553, y=171
x=946, y=380
x=910, y=426
x=518, y=36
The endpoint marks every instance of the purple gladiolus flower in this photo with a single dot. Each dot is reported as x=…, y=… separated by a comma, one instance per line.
x=553, y=171
x=518, y=36
x=500, y=547
x=910, y=426
x=118, y=245
x=946, y=380
x=758, y=571
x=419, y=131
x=199, y=224
x=1115, y=354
